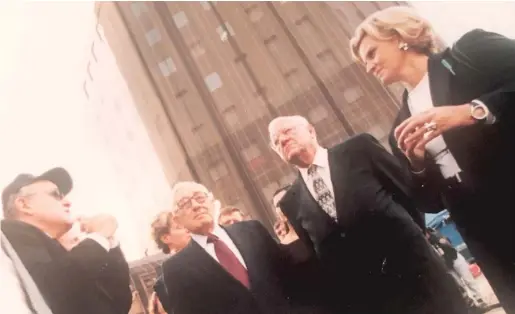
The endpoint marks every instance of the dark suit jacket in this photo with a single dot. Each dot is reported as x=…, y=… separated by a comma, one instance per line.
x=483, y=68
x=162, y=294
x=87, y=279
x=197, y=284
x=376, y=257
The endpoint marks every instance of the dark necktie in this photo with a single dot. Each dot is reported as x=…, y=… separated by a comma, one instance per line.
x=228, y=260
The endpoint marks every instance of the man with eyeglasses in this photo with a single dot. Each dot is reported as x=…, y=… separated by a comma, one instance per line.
x=93, y=276
x=231, y=270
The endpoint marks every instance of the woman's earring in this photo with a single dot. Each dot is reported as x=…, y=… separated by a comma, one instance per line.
x=403, y=46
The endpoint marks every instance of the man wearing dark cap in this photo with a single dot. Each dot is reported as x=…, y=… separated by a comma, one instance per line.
x=92, y=277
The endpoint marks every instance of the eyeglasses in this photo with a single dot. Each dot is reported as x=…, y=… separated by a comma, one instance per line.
x=55, y=194
x=187, y=203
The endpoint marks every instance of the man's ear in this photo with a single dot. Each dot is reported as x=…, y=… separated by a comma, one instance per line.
x=312, y=131
x=22, y=205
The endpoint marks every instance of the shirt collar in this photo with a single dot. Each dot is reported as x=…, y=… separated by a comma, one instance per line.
x=202, y=239
x=321, y=160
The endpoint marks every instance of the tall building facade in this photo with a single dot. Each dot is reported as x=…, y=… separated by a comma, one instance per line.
x=120, y=135
x=207, y=77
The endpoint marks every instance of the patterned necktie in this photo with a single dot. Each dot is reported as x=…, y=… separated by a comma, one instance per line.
x=228, y=260
x=323, y=195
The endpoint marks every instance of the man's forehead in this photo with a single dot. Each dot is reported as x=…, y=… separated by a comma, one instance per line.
x=188, y=192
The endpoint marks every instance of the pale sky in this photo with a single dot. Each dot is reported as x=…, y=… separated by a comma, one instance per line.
x=42, y=68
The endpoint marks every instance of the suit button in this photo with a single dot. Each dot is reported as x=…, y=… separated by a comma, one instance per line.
x=342, y=235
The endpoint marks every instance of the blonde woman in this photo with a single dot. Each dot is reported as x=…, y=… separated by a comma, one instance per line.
x=455, y=130
x=170, y=238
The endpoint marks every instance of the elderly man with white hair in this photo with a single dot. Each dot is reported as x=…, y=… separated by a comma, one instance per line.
x=351, y=205
x=228, y=270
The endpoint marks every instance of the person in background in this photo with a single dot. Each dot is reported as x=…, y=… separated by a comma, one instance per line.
x=455, y=130
x=37, y=213
x=458, y=267
x=229, y=215
x=307, y=282
x=282, y=227
x=170, y=238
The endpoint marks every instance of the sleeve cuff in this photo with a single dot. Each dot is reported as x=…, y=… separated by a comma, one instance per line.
x=105, y=243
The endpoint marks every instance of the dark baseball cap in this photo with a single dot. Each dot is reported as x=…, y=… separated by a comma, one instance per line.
x=58, y=176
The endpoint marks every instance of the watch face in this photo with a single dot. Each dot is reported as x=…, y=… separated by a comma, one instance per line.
x=479, y=113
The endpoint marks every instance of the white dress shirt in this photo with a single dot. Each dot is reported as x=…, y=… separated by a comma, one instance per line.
x=210, y=248
x=419, y=100
x=322, y=161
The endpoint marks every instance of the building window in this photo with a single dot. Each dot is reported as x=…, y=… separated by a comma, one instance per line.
x=180, y=19
x=255, y=15
x=251, y=152
x=218, y=171
x=138, y=8
x=221, y=30
x=352, y=94
x=196, y=49
x=288, y=179
x=270, y=189
x=231, y=118
x=205, y=5
x=153, y=36
x=213, y=81
x=167, y=67
x=317, y=114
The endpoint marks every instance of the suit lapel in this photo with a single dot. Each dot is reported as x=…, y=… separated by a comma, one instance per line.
x=246, y=251
x=440, y=79
x=200, y=260
x=336, y=167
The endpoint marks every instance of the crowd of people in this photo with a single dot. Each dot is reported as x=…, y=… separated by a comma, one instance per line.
x=349, y=237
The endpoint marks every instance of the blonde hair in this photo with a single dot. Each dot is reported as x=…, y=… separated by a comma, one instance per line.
x=161, y=226
x=399, y=22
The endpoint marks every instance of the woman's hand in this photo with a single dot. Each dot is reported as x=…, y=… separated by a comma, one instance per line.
x=424, y=127
x=415, y=152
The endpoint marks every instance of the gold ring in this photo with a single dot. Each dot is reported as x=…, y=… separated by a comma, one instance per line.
x=431, y=126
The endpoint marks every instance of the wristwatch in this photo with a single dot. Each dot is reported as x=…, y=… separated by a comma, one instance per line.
x=480, y=113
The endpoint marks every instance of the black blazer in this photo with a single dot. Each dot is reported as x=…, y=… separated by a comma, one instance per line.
x=376, y=258
x=162, y=294
x=482, y=67
x=87, y=279
x=197, y=284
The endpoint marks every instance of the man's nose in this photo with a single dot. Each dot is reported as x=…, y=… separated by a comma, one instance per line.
x=283, y=139
x=66, y=203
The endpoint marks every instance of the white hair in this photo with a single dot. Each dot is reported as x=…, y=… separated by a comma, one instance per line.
x=187, y=185
x=298, y=120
